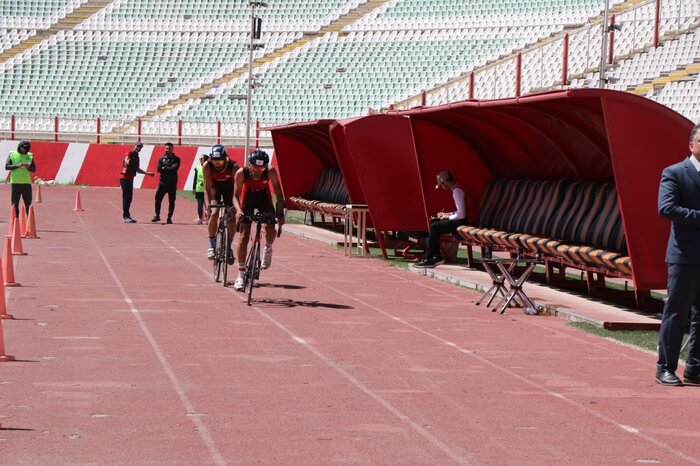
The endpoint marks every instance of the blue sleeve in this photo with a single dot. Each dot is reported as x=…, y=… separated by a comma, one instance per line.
x=669, y=200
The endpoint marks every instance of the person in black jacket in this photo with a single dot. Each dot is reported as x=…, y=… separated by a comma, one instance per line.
x=130, y=167
x=168, y=165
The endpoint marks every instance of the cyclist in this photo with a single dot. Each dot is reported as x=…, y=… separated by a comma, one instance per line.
x=253, y=191
x=219, y=175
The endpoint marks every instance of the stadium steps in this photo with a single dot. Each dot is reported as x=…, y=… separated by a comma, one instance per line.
x=69, y=22
x=682, y=73
x=335, y=26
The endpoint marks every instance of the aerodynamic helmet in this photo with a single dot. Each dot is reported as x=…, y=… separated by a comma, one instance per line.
x=218, y=152
x=258, y=159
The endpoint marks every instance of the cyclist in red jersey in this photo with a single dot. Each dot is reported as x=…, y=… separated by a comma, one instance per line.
x=219, y=175
x=253, y=192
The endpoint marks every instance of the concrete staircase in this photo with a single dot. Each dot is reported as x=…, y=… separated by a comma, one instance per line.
x=335, y=26
x=682, y=73
x=76, y=17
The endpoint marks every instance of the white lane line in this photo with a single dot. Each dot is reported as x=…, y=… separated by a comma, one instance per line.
x=505, y=370
x=435, y=441
x=184, y=399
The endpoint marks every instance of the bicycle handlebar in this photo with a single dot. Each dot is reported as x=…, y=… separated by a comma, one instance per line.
x=260, y=217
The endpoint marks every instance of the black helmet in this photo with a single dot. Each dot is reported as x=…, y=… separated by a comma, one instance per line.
x=24, y=144
x=218, y=152
x=258, y=158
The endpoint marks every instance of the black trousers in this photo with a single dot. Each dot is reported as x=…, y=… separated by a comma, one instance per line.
x=437, y=228
x=25, y=192
x=171, y=190
x=683, y=302
x=200, y=205
x=127, y=195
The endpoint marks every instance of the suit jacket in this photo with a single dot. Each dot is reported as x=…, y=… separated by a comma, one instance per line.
x=679, y=201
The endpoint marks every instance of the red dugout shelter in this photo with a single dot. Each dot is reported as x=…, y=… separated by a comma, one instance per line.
x=578, y=134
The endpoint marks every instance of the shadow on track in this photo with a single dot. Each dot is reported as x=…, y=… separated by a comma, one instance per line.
x=290, y=303
x=274, y=285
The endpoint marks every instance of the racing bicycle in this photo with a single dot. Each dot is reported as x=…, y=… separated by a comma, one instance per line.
x=252, y=263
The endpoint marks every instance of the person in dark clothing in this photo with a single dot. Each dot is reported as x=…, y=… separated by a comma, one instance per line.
x=20, y=164
x=168, y=165
x=130, y=167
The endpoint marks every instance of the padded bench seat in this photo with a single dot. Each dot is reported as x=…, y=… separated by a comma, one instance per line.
x=328, y=197
x=577, y=222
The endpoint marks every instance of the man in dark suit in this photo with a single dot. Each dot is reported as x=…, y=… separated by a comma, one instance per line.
x=679, y=201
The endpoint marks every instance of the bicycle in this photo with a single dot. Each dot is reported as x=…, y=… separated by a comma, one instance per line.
x=252, y=263
x=222, y=247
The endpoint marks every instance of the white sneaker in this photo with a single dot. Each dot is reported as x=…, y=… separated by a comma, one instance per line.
x=266, y=257
x=238, y=284
x=210, y=254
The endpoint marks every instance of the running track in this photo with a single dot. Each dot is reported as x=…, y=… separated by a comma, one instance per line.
x=128, y=353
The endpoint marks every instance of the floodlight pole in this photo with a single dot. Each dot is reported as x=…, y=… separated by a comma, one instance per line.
x=253, y=4
x=604, y=47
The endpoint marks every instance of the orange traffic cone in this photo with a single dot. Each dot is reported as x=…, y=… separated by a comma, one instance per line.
x=13, y=217
x=4, y=357
x=22, y=221
x=3, y=305
x=17, y=242
x=8, y=268
x=78, y=205
x=30, y=231
x=37, y=199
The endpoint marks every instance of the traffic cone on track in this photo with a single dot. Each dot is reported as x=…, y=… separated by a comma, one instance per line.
x=22, y=221
x=30, y=231
x=13, y=217
x=37, y=199
x=4, y=357
x=8, y=268
x=17, y=242
x=3, y=304
x=78, y=205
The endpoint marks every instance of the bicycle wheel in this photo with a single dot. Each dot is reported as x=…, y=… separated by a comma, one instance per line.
x=219, y=257
x=254, y=269
x=224, y=263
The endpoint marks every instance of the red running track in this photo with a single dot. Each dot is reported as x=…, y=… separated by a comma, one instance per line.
x=128, y=353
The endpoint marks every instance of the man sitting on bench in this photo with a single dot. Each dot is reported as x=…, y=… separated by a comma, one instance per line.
x=444, y=222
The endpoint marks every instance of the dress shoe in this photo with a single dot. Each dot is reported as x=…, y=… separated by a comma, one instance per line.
x=691, y=379
x=668, y=378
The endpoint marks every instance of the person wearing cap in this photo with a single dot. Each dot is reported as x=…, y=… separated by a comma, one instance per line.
x=20, y=164
x=168, y=165
x=219, y=175
x=445, y=222
x=198, y=187
x=130, y=167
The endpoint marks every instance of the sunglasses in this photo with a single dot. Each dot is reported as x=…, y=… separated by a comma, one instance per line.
x=256, y=168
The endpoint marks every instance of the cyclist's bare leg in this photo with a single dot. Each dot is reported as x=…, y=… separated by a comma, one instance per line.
x=242, y=247
x=213, y=221
x=270, y=234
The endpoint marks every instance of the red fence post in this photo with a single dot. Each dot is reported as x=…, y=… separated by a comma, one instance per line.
x=257, y=133
x=657, y=18
x=99, y=130
x=12, y=127
x=218, y=131
x=518, y=73
x=423, y=98
x=611, y=51
x=55, y=128
x=565, y=62
x=138, y=129
x=179, y=132
x=471, y=85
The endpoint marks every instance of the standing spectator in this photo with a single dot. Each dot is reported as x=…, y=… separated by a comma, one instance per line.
x=679, y=201
x=130, y=167
x=198, y=188
x=20, y=163
x=445, y=222
x=168, y=165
